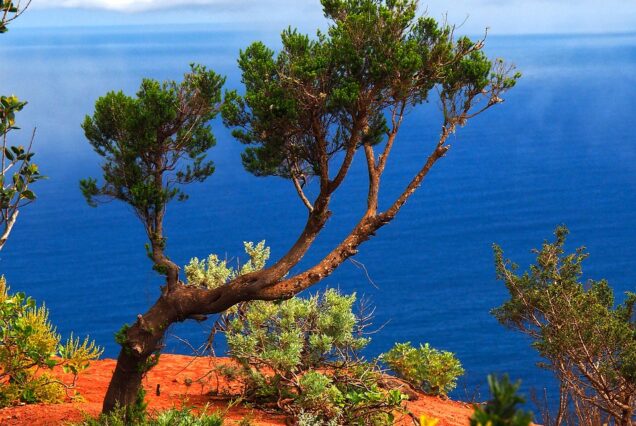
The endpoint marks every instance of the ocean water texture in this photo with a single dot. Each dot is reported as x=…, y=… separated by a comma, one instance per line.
x=560, y=150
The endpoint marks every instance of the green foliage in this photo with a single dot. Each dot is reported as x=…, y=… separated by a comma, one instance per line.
x=77, y=354
x=144, y=138
x=28, y=343
x=136, y=413
x=303, y=354
x=310, y=419
x=588, y=342
x=15, y=190
x=152, y=145
x=8, y=12
x=297, y=333
x=184, y=417
x=9, y=106
x=213, y=272
x=120, y=335
x=307, y=100
x=173, y=417
x=151, y=362
x=432, y=370
x=503, y=407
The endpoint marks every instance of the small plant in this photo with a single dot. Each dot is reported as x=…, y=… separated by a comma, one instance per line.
x=185, y=417
x=30, y=348
x=247, y=420
x=214, y=272
x=432, y=370
x=311, y=419
x=172, y=417
x=302, y=356
x=503, y=407
x=428, y=421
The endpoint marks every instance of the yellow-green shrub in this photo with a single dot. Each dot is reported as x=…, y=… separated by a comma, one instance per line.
x=432, y=370
x=30, y=347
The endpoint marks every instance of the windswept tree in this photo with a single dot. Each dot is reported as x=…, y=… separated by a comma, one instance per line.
x=306, y=112
x=586, y=341
x=17, y=171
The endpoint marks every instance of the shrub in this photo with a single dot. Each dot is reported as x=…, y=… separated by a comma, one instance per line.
x=587, y=341
x=29, y=343
x=310, y=419
x=433, y=371
x=303, y=356
x=503, y=407
x=184, y=417
x=173, y=417
x=214, y=272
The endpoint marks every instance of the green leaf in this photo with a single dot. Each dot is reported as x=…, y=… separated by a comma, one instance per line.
x=28, y=194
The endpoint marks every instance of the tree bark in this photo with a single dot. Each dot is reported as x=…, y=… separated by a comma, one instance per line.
x=144, y=338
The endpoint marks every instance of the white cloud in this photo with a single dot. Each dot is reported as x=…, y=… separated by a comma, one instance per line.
x=502, y=16
x=236, y=6
x=139, y=5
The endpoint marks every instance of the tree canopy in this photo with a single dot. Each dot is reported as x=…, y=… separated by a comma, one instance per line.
x=17, y=170
x=152, y=145
x=351, y=86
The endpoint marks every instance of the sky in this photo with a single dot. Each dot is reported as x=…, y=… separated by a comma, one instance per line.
x=500, y=16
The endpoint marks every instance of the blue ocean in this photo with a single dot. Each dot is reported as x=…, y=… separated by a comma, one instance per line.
x=560, y=150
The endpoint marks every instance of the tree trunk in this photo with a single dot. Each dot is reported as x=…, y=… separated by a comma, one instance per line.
x=627, y=418
x=143, y=340
x=126, y=381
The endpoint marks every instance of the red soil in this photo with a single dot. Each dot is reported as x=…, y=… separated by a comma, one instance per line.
x=184, y=380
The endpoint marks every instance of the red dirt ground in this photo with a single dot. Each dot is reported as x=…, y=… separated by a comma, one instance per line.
x=182, y=381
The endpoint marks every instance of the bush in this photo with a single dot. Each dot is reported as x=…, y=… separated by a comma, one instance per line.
x=303, y=356
x=214, y=272
x=28, y=343
x=433, y=371
x=502, y=409
x=173, y=417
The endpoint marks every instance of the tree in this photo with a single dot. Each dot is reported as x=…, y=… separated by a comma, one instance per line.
x=10, y=11
x=588, y=343
x=15, y=192
x=306, y=112
x=152, y=146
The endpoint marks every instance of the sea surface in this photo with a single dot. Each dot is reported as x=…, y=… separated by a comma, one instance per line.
x=560, y=150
